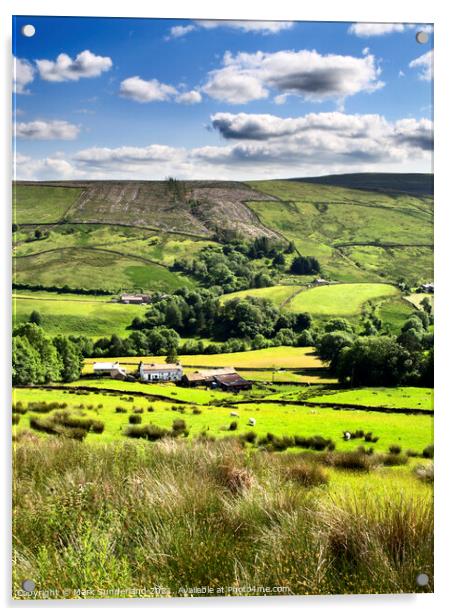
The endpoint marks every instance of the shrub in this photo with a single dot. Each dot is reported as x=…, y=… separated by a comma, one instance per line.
x=43, y=425
x=395, y=449
x=249, y=437
x=19, y=407
x=121, y=409
x=394, y=459
x=350, y=460
x=135, y=419
x=318, y=443
x=425, y=473
x=196, y=411
x=308, y=475
x=428, y=452
x=179, y=428
x=150, y=409
x=155, y=432
x=15, y=418
x=233, y=425
x=136, y=431
x=97, y=427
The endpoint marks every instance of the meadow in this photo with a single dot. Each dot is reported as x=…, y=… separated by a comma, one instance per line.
x=412, y=432
x=170, y=518
x=68, y=314
x=42, y=204
x=393, y=397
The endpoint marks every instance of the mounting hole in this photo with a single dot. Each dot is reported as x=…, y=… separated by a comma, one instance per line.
x=28, y=585
x=422, y=579
x=28, y=30
x=422, y=37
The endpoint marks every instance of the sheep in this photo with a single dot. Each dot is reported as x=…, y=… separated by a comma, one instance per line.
x=233, y=414
x=347, y=436
x=251, y=421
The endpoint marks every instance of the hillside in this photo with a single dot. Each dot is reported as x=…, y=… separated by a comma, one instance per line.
x=418, y=184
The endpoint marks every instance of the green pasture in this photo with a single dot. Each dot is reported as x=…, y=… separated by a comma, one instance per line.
x=90, y=268
x=339, y=300
x=393, y=313
x=41, y=204
x=277, y=294
x=408, y=431
x=84, y=315
x=420, y=398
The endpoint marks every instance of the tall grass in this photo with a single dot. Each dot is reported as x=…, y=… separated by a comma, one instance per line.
x=135, y=514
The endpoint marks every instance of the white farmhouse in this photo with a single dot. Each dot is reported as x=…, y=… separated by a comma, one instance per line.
x=112, y=369
x=160, y=372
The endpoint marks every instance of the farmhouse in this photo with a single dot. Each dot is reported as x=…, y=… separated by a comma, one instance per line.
x=112, y=369
x=160, y=372
x=225, y=378
x=129, y=298
x=427, y=288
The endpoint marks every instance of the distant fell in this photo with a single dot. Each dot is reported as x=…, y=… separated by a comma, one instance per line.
x=405, y=183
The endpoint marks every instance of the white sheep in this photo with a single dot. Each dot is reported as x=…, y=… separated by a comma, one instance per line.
x=347, y=436
x=251, y=421
x=233, y=414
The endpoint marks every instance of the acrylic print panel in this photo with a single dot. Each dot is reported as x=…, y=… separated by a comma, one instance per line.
x=223, y=308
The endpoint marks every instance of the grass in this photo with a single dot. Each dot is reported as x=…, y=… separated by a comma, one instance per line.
x=277, y=294
x=275, y=357
x=339, y=300
x=352, y=232
x=89, y=316
x=41, y=204
x=90, y=268
x=408, y=431
x=393, y=397
x=393, y=313
x=416, y=298
x=177, y=516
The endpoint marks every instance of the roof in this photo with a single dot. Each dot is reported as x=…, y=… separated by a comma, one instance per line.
x=105, y=365
x=159, y=367
x=216, y=372
x=230, y=379
x=127, y=296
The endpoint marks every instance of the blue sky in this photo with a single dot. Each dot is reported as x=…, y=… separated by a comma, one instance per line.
x=147, y=98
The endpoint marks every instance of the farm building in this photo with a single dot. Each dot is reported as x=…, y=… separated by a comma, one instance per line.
x=128, y=298
x=160, y=372
x=232, y=382
x=427, y=288
x=112, y=369
x=216, y=377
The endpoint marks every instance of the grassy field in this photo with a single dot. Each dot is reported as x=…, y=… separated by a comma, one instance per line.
x=393, y=313
x=90, y=268
x=338, y=300
x=76, y=314
x=41, y=204
x=275, y=357
x=277, y=294
x=408, y=431
x=416, y=298
x=393, y=397
x=356, y=235
x=178, y=517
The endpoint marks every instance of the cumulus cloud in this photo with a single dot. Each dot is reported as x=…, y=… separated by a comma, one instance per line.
x=102, y=157
x=189, y=98
x=179, y=31
x=42, y=130
x=144, y=91
x=365, y=30
x=49, y=168
x=315, y=77
x=153, y=90
x=64, y=68
x=425, y=64
x=264, y=27
x=23, y=74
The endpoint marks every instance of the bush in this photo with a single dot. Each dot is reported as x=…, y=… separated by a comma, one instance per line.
x=350, y=460
x=179, y=428
x=150, y=409
x=97, y=427
x=249, y=437
x=428, y=452
x=15, y=418
x=135, y=419
x=233, y=425
x=395, y=449
x=196, y=411
x=19, y=407
x=121, y=409
x=308, y=475
x=394, y=459
x=318, y=443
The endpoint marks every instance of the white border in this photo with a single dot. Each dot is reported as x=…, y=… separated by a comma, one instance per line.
x=436, y=11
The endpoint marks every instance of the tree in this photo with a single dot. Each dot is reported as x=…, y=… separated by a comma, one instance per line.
x=50, y=361
x=35, y=317
x=172, y=356
x=426, y=305
x=331, y=344
x=305, y=339
x=71, y=358
x=305, y=265
x=339, y=324
x=38, y=234
x=279, y=260
x=27, y=366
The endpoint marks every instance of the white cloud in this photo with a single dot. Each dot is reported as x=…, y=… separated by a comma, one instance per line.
x=64, y=68
x=23, y=74
x=179, y=31
x=189, y=98
x=260, y=146
x=245, y=77
x=365, y=30
x=425, y=63
x=42, y=130
x=144, y=91
x=264, y=27
x=153, y=90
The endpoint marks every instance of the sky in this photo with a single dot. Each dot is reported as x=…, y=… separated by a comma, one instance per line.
x=146, y=99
